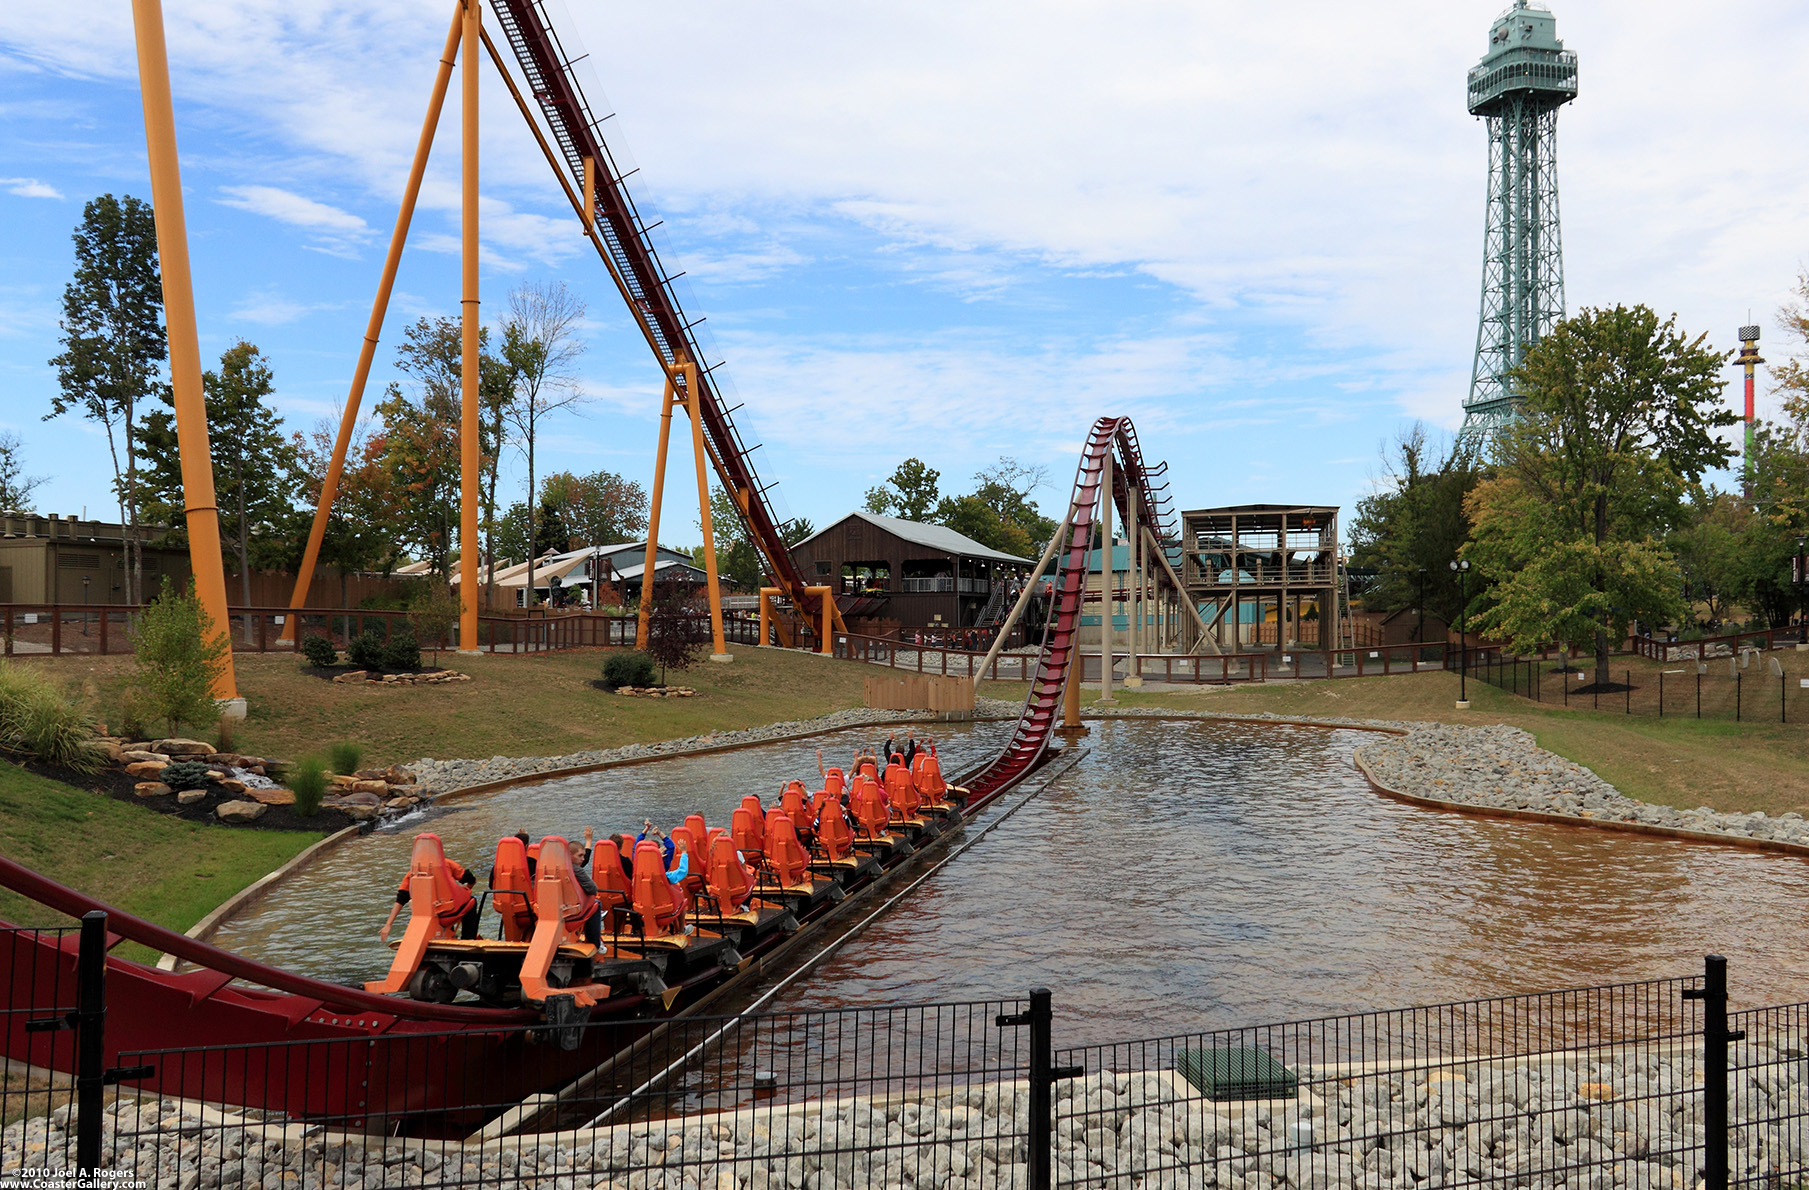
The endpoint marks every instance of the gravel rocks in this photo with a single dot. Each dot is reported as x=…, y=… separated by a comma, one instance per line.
x=1501, y=767
x=444, y=776
x=1626, y=1116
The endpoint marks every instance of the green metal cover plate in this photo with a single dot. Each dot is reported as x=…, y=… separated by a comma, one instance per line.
x=1236, y=1073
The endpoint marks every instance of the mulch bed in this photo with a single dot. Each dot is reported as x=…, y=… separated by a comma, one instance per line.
x=329, y=672
x=118, y=785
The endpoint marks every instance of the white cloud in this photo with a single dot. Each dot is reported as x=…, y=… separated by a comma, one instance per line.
x=30, y=188
x=269, y=308
x=286, y=206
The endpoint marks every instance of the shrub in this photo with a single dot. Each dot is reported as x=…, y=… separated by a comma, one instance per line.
x=631, y=668
x=180, y=655
x=37, y=719
x=319, y=651
x=185, y=774
x=366, y=650
x=308, y=781
x=131, y=719
x=402, y=652
x=344, y=758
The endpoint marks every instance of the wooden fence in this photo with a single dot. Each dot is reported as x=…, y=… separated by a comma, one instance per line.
x=53, y=630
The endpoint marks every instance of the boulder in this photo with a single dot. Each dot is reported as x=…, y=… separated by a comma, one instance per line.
x=151, y=789
x=380, y=788
x=396, y=775
x=230, y=784
x=272, y=797
x=215, y=775
x=362, y=813
x=146, y=768
x=369, y=774
x=182, y=747
x=189, y=797
x=239, y=811
x=134, y=755
x=357, y=675
x=367, y=800
x=112, y=749
x=398, y=803
x=341, y=781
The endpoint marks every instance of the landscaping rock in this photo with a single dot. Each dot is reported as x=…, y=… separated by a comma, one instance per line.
x=398, y=803
x=396, y=775
x=134, y=755
x=239, y=811
x=182, y=747
x=150, y=789
x=380, y=788
x=357, y=675
x=362, y=813
x=230, y=784
x=272, y=797
x=189, y=797
x=369, y=800
x=146, y=768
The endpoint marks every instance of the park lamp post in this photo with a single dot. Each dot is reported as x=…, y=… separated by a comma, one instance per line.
x=1461, y=567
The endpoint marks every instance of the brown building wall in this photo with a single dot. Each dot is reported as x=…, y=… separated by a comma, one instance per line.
x=853, y=541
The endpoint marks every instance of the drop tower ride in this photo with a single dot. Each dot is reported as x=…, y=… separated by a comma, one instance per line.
x=1518, y=87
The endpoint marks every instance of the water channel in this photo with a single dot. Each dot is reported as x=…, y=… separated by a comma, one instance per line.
x=1185, y=875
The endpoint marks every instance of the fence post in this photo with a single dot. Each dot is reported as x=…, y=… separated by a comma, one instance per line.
x=1043, y=1073
x=90, y=1039
x=1715, y=1038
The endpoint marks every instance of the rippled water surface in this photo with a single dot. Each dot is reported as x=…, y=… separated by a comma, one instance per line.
x=1185, y=875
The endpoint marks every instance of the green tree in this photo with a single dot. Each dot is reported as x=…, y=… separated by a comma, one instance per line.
x=910, y=493
x=1711, y=552
x=113, y=344
x=999, y=511
x=179, y=654
x=420, y=437
x=254, y=464
x=358, y=534
x=16, y=487
x=540, y=349
x=1410, y=528
x=1618, y=424
x=600, y=509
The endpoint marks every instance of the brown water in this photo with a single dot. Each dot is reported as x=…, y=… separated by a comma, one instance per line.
x=1184, y=876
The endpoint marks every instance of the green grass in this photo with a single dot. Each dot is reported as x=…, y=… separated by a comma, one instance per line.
x=1672, y=761
x=158, y=867
x=530, y=705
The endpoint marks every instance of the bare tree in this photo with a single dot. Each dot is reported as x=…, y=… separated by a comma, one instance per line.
x=540, y=349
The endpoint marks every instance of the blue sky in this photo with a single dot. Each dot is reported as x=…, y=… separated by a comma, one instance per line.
x=947, y=230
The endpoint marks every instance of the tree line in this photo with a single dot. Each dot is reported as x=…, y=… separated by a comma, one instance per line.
x=999, y=513
x=1588, y=517
x=399, y=493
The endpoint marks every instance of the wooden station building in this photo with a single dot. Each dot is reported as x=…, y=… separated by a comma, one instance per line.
x=891, y=574
x=1281, y=558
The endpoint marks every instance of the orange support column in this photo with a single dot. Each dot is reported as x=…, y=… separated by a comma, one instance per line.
x=766, y=612
x=653, y=519
x=693, y=406
x=201, y=516
x=468, y=328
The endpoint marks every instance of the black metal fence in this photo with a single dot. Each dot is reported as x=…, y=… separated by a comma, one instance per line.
x=1646, y=1085
x=1749, y=686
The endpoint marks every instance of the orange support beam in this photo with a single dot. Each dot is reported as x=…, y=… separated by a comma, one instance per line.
x=348, y=419
x=201, y=515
